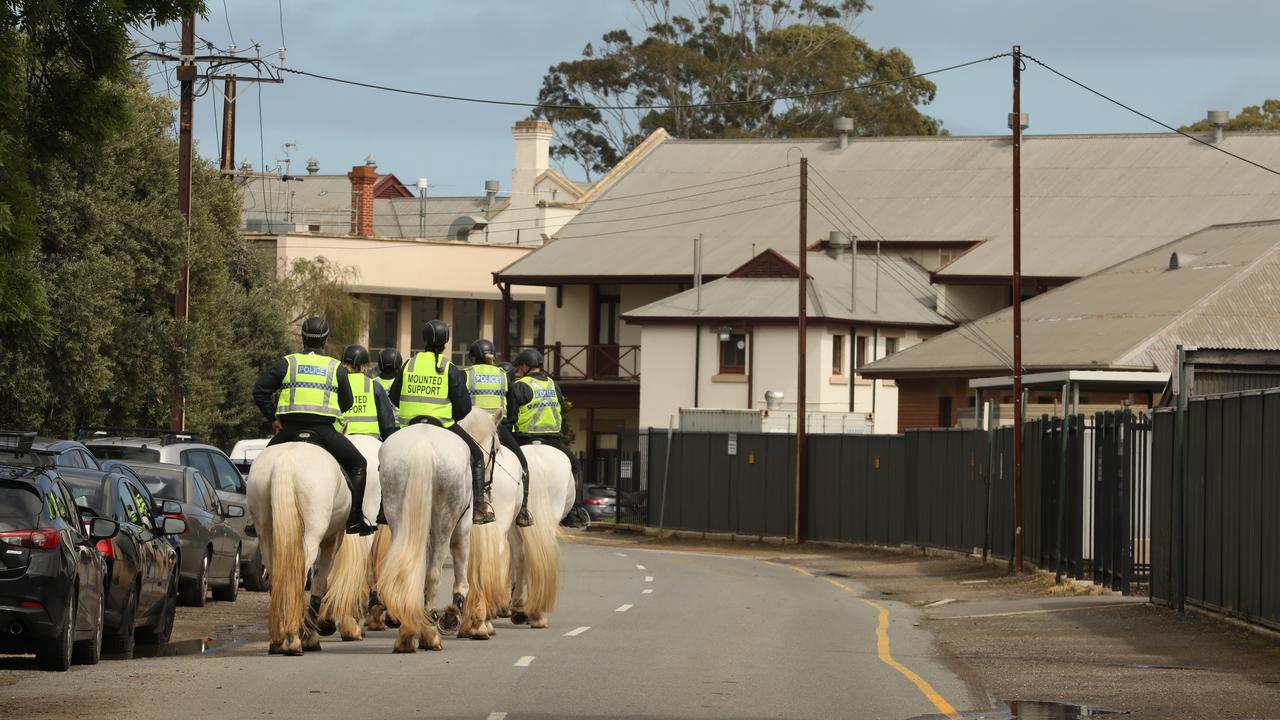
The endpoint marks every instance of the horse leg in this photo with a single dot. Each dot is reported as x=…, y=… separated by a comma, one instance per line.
x=319, y=559
x=460, y=545
x=516, y=610
x=429, y=638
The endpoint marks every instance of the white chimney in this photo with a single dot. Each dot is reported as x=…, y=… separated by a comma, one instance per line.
x=533, y=157
x=1218, y=121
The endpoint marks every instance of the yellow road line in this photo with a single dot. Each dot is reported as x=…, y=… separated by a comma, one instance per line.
x=882, y=650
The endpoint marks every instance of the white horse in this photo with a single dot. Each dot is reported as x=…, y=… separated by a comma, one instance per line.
x=490, y=562
x=426, y=489
x=349, y=626
x=535, y=551
x=298, y=500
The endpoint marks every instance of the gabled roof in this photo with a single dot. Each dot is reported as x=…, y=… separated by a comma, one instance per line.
x=765, y=289
x=1089, y=201
x=1131, y=316
x=389, y=186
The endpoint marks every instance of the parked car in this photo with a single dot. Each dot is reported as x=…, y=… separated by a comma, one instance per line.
x=67, y=453
x=246, y=451
x=209, y=549
x=180, y=448
x=142, y=564
x=52, y=597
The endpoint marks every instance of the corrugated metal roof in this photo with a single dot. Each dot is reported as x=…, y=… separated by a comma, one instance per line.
x=906, y=298
x=1089, y=201
x=1134, y=314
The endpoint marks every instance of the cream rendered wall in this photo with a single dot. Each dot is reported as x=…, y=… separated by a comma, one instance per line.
x=964, y=303
x=631, y=297
x=666, y=372
x=568, y=323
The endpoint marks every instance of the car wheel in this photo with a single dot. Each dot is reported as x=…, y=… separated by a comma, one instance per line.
x=89, y=652
x=55, y=653
x=162, y=630
x=255, y=577
x=194, y=594
x=229, y=592
x=121, y=640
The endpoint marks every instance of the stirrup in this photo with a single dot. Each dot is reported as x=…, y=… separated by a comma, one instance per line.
x=360, y=527
x=482, y=514
x=524, y=519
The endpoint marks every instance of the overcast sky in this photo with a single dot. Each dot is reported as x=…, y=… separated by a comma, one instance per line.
x=1173, y=59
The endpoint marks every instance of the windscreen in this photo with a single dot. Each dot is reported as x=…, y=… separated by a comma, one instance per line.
x=124, y=452
x=165, y=486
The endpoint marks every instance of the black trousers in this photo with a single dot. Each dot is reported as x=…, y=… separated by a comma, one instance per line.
x=558, y=443
x=322, y=433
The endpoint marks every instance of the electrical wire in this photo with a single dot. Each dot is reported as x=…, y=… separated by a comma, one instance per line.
x=226, y=15
x=262, y=155
x=280, y=7
x=689, y=106
x=967, y=328
x=1141, y=114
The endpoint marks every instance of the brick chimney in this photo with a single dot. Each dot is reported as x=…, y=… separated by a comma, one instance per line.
x=363, y=178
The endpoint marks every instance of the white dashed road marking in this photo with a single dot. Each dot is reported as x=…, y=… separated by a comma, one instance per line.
x=624, y=608
x=647, y=591
x=497, y=716
x=940, y=603
x=578, y=631
x=524, y=661
x=640, y=567
x=648, y=578
x=620, y=554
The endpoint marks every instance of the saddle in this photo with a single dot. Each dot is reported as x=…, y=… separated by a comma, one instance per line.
x=428, y=420
x=302, y=435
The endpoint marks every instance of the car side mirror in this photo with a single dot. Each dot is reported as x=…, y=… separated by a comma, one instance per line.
x=250, y=530
x=169, y=507
x=174, y=526
x=101, y=528
x=233, y=511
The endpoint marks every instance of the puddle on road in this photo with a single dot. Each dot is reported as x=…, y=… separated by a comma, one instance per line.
x=223, y=638
x=1033, y=710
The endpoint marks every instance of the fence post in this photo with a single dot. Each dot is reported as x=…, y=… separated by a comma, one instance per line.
x=666, y=471
x=989, y=410
x=617, y=483
x=1178, y=587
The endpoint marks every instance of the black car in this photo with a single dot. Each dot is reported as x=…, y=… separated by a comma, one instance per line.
x=142, y=564
x=51, y=575
x=67, y=453
x=209, y=550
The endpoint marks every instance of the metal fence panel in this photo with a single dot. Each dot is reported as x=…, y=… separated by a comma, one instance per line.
x=1193, y=500
x=1162, y=447
x=1213, y=519
x=1230, y=484
x=1249, y=507
x=1269, y=508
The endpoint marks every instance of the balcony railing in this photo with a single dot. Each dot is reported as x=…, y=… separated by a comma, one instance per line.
x=592, y=362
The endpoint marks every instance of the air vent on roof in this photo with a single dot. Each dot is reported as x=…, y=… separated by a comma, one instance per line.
x=1181, y=260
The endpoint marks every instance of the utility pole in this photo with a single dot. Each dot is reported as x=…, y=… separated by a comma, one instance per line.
x=228, y=162
x=1015, y=121
x=188, y=73
x=802, y=335
x=187, y=81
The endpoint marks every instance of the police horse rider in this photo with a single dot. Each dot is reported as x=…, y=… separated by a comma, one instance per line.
x=488, y=385
x=389, y=362
x=432, y=389
x=313, y=392
x=371, y=411
x=535, y=408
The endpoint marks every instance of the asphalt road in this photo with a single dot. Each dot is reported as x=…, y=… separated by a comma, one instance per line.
x=639, y=633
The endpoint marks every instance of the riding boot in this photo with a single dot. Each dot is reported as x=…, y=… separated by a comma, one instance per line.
x=356, y=524
x=524, y=519
x=481, y=512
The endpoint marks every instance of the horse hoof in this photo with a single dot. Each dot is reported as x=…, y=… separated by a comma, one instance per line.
x=504, y=612
x=326, y=627
x=519, y=618
x=449, y=622
x=392, y=622
x=275, y=648
x=539, y=624
x=353, y=638
x=410, y=649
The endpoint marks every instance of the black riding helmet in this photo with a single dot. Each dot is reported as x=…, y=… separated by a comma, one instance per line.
x=355, y=355
x=389, y=360
x=435, y=335
x=314, y=331
x=480, y=351
x=529, y=357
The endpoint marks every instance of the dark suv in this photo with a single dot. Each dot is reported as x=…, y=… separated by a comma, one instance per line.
x=51, y=575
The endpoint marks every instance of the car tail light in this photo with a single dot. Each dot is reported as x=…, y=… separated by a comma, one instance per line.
x=595, y=501
x=37, y=539
x=107, y=549
x=30, y=605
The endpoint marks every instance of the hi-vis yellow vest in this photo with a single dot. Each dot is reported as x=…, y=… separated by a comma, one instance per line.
x=541, y=415
x=362, y=418
x=310, y=386
x=487, y=385
x=424, y=389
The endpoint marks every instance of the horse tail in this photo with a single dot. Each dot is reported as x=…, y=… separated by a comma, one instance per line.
x=542, y=554
x=378, y=554
x=489, y=571
x=288, y=553
x=347, y=594
x=404, y=570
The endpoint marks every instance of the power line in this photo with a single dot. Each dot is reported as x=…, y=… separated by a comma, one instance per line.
x=280, y=7
x=1141, y=114
x=689, y=106
x=966, y=329
x=226, y=15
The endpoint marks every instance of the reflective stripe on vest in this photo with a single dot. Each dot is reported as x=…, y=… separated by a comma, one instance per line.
x=424, y=389
x=541, y=415
x=487, y=385
x=362, y=418
x=310, y=386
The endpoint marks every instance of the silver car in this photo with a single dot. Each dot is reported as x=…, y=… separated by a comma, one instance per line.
x=180, y=448
x=209, y=550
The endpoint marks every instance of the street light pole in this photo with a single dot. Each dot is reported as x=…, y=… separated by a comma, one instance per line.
x=1015, y=121
x=803, y=327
